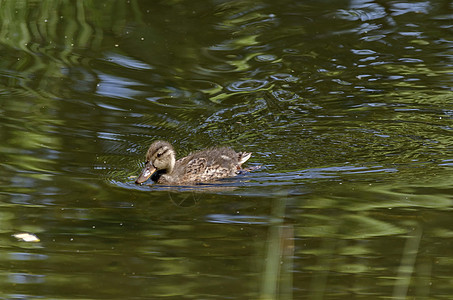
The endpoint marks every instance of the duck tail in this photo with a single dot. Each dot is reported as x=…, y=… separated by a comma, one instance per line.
x=243, y=157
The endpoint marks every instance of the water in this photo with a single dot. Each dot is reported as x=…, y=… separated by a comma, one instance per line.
x=346, y=107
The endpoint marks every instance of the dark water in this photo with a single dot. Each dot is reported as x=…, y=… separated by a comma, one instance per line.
x=347, y=106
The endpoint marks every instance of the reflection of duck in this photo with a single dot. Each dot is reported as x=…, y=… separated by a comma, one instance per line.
x=202, y=166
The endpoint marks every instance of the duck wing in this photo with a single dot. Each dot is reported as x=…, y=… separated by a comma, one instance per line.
x=210, y=164
x=195, y=167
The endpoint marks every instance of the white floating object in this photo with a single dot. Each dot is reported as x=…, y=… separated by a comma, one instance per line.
x=26, y=237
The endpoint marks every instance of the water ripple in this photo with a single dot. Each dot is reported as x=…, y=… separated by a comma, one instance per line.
x=283, y=95
x=128, y=62
x=239, y=219
x=247, y=85
x=284, y=77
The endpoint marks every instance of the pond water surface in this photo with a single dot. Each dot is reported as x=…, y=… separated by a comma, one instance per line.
x=347, y=107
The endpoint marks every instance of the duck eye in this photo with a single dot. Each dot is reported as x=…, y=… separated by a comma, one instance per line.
x=159, y=154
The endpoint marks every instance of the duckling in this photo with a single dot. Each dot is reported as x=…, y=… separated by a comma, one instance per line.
x=201, y=166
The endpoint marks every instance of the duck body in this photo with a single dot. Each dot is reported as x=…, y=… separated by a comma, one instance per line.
x=202, y=166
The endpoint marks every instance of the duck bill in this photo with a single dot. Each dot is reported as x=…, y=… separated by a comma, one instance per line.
x=146, y=173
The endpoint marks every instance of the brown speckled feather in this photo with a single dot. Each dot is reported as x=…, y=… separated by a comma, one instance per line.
x=206, y=165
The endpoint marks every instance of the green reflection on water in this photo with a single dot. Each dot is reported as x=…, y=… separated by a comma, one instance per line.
x=348, y=114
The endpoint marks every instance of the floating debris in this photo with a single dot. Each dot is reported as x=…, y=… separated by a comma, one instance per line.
x=26, y=237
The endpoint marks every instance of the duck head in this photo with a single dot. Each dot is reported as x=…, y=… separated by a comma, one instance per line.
x=160, y=157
